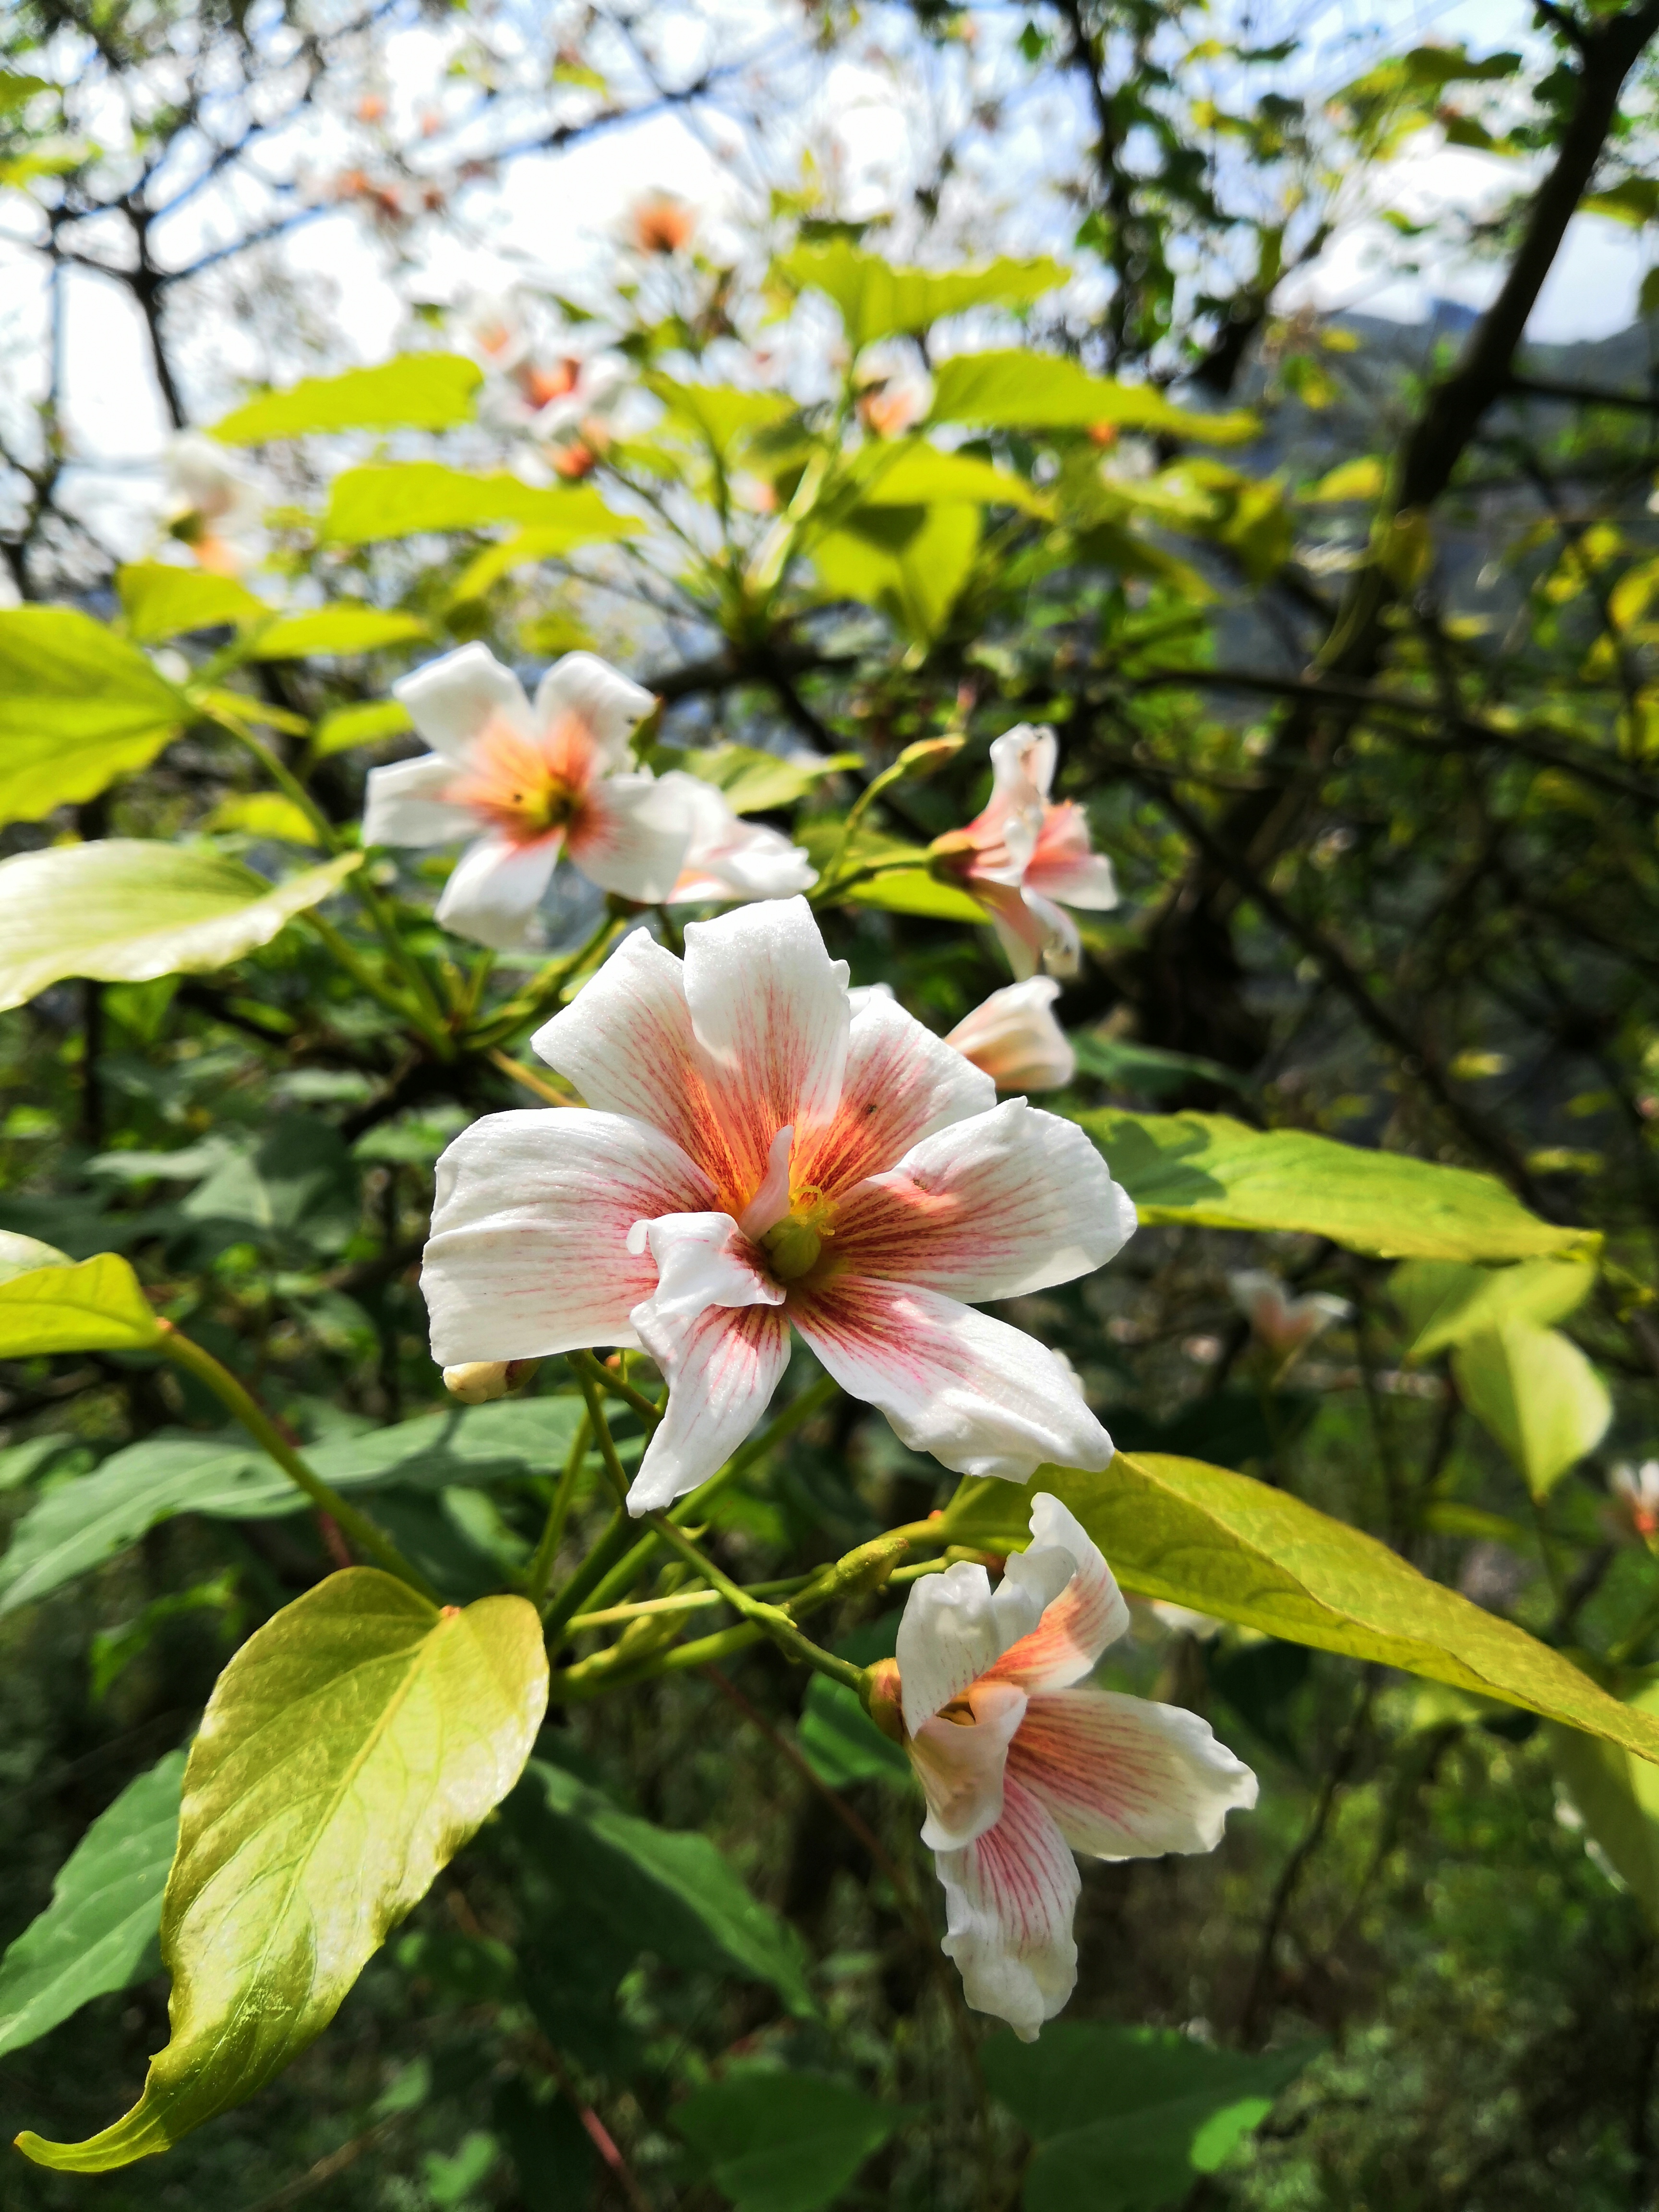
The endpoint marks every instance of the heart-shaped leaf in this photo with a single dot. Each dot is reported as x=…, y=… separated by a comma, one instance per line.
x=96, y=1307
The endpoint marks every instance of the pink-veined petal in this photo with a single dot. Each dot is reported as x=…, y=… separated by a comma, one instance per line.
x=1125, y=1778
x=495, y=889
x=404, y=805
x=1010, y=1896
x=626, y=1042
x=597, y=695
x=1076, y=1606
x=771, y=1201
x=959, y=1764
x=721, y=1368
x=981, y=1397
x=629, y=836
x=1022, y=933
x=1023, y=762
x=1011, y=1200
x=451, y=700
x=728, y=858
x=1084, y=880
x=947, y=1638
x=769, y=1007
x=902, y=1084
x=1014, y=1038
x=529, y=1250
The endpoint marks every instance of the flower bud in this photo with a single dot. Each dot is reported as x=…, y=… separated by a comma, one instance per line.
x=480, y=1381
x=882, y=1700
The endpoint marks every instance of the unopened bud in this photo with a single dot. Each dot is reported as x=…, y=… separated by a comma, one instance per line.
x=480, y=1382
x=882, y=1700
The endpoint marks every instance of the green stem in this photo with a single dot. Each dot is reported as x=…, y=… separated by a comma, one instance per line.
x=237, y=1401
x=618, y=1616
x=529, y=1004
x=362, y=975
x=773, y=1621
x=593, y=1571
x=558, y=1512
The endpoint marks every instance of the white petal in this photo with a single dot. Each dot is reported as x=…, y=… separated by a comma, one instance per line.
x=983, y=1398
x=629, y=838
x=1127, y=1779
x=771, y=1201
x=947, y=1639
x=1010, y=1896
x=626, y=1042
x=1073, y=1607
x=451, y=700
x=960, y=1765
x=1062, y=946
x=863, y=994
x=1012, y=1200
x=714, y=1327
x=495, y=887
x=1015, y=1039
x=902, y=1084
x=1087, y=881
x=1023, y=762
x=607, y=702
x=728, y=858
x=770, y=1009
x=404, y=805
x=529, y=1248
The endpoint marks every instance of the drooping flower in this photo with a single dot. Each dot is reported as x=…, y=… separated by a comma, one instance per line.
x=1282, y=1325
x=1028, y=858
x=1015, y=1038
x=753, y=1155
x=728, y=858
x=216, y=508
x=536, y=781
x=1022, y=1764
x=1631, y=1512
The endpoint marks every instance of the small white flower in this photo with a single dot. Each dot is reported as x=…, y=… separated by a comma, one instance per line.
x=1015, y=1038
x=753, y=1156
x=1282, y=1325
x=728, y=858
x=1631, y=1512
x=217, y=507
x=894, y=391
x=1022, y=1764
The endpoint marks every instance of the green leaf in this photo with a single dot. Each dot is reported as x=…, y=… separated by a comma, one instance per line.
x=77, y=1526
x=95, y=1307
x=79, y=705
x=360, y=725
x=349, y=1750
x=414, y=391
x=98, y=1932
x=1215, y=1172
x=17, y=89
x=1362, y=479
x=126, y=909
x=775, y=2141
x=907, y=562
x=407, y=497
x=1148, y=1069
x=916, y=474
x=20, y=1255
x=1130, y=2116
x=755, y=782
x=1446, y=1302
x=334, y=630
x=159, y=601
x=839, y=1742
x=878, y=299
x=1222, y=1544
x=1533, y=1390
x=665, y=1880
x=1018, y=390
x=1617, y=1797
x=724, y=417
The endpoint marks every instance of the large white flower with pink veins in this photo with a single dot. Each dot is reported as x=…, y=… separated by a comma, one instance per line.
x=526, y=783
x=754, y=1155
x=1022, y=1764
x=1028, y=858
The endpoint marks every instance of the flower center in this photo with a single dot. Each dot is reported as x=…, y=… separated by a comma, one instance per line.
x=513, y=784
x=795, y=1245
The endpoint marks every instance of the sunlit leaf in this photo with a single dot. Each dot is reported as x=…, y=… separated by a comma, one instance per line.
x=724, y=417
x=349, y=1750
x=334, y=630
x=775, y=2141
x=1446, y=1302
x=158, y=600
x=98, y=1932
x=916, y=474
x=878, y=299
x=266, y=814
x=399, y=499
x=908, y=562
x=365, y=725
x=97, y=1306
x=1017, y=390
x=1617, y=1797
x=1208, y=1169
x=79, y=705
x=1534, y=1391
x=414, y=391
x=125, y=909
x=22, y=1255
x=754, y=782
x=1222, y=1544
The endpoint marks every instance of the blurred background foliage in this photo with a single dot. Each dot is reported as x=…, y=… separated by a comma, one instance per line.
x=1347, y=628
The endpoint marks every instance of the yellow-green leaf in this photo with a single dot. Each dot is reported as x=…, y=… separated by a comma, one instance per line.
x=1214, y=1172
x=127, y=908
x=756, y=781
x=878, y=299
x=360, y=725
x=334, y=630
x=1445, y=1302
x=414, y=391
x=266, y=814
x=1360, y=479
x=1222, y=1544
x=405, y=498
x=1534, y=1391
x=528, y=548
x=20, y=1255
x=1018, y=390
x=79, y=705
x=916, y=474
x=910, y=563
x=97, y=1306
x=1617, y=1797
x=349, y=1750
x=160, y=601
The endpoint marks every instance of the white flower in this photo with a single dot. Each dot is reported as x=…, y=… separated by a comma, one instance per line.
x=579, y=413
x=1028, y=858
x=1631, y=1512
x=894, y=391
x=1015, y=1038
x=217, y=507
x=536, y=780
x=753, y=1155
x=729, y=858
x=1021, y=1767
x=1284, y=1325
